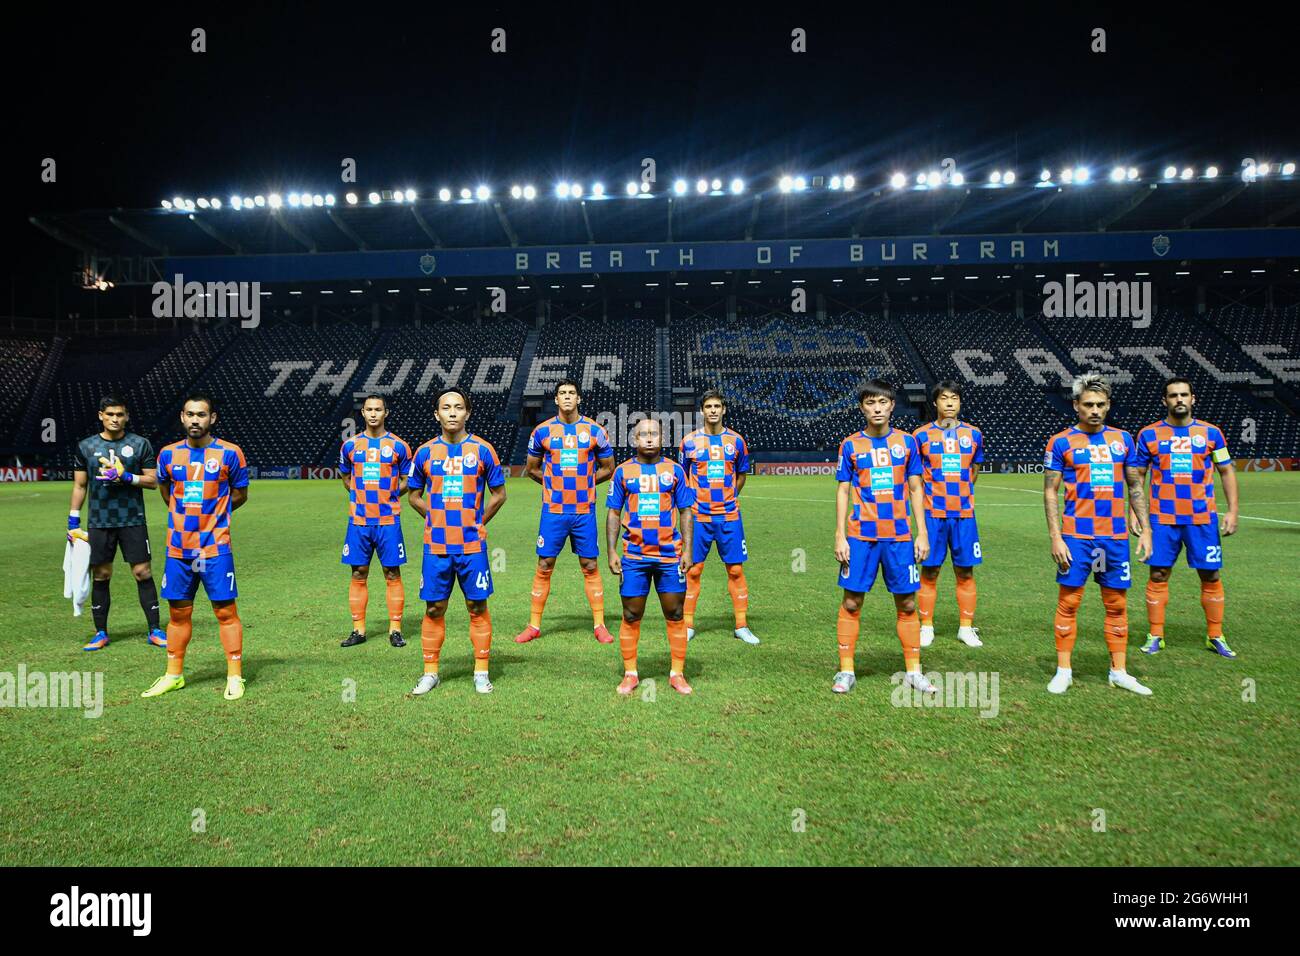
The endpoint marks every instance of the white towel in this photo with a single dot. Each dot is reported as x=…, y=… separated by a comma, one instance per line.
x=76, y=573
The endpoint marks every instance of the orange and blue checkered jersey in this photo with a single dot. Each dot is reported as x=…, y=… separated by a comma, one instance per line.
x=1092, y=469
x=879, y=469
x=947, y=455
x=1182, y=459
x=198, y=483
x=712, y=463
x=455, y=478
x=375, y=469
x=650, y=497
x=568, y=453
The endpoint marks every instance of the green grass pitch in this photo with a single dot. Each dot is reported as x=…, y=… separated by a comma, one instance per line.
x=763, y=765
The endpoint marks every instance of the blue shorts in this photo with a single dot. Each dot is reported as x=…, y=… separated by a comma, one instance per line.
x=1107, y=559
x=181, y=578
x=1204, y=552
x=554, y=529
x=898, y=558
x=730, y=538
x=440, y=570
x=637, y=575
x=363, y=540
x=958, y=534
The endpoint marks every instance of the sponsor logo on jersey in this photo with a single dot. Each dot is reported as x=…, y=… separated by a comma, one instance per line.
x=965, y=441
x=666, y=479
x=898, y=451
x=127, y=451
x=470, y=461
x=1117, y=447
x=1197, y=440
x=212, y=465
x=386, y=451
x=584, y=437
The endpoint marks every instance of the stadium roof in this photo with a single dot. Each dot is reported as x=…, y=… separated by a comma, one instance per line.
x=818, y=212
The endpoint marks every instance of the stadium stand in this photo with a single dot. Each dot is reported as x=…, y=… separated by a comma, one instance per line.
x=462, y=350
x=790, y=378
x=290, y=422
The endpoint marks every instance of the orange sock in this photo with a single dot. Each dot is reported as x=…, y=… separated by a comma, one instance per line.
x=677, y=646
x=1212, y=604
x=180, y=628
x=480, y=635
x=908, y=625
x=925, y=600
x=965, y=600
x=541, y=591
x=846, y=634
x=1067, y=622
x=738, y=588
x=1116, y=604
x=231, y=630
x=692, y=593
x=358, y=597
x=1157, y=601
x=433, y=631
x=629, y=634
x=396, y=597
x=595, y=595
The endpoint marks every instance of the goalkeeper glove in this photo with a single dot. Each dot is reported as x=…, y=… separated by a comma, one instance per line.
x=112, y=470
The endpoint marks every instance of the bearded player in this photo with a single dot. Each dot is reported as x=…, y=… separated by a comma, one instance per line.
x=879, y=477
x=124, y=466
x=650, y=499
x=716, y=460
x=568, y=455
x=202, y=479
x=374, y=466
x=1095, y=462
x=1186, y=452
x=951, y=452
x=457, y=485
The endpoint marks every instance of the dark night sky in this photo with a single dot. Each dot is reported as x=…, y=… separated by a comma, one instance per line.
x=283, y=93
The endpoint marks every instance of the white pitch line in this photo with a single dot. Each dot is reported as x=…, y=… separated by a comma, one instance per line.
x=1269, y=520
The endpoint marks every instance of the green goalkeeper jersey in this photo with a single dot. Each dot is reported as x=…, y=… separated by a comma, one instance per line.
x=115, y=504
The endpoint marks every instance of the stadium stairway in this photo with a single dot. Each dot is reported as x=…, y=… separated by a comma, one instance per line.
x=515, y=403
x=40, y=391
x=919, y=365
x=663, y=371
x=163, y=423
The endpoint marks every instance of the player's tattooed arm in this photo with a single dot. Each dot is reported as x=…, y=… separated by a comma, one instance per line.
x=496, y=498
x=1137, y=496
x=841, y=521
x=613, y=521
x=533, y=469
x=1051, y=506
x=1228, y=474
x=686, y=524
